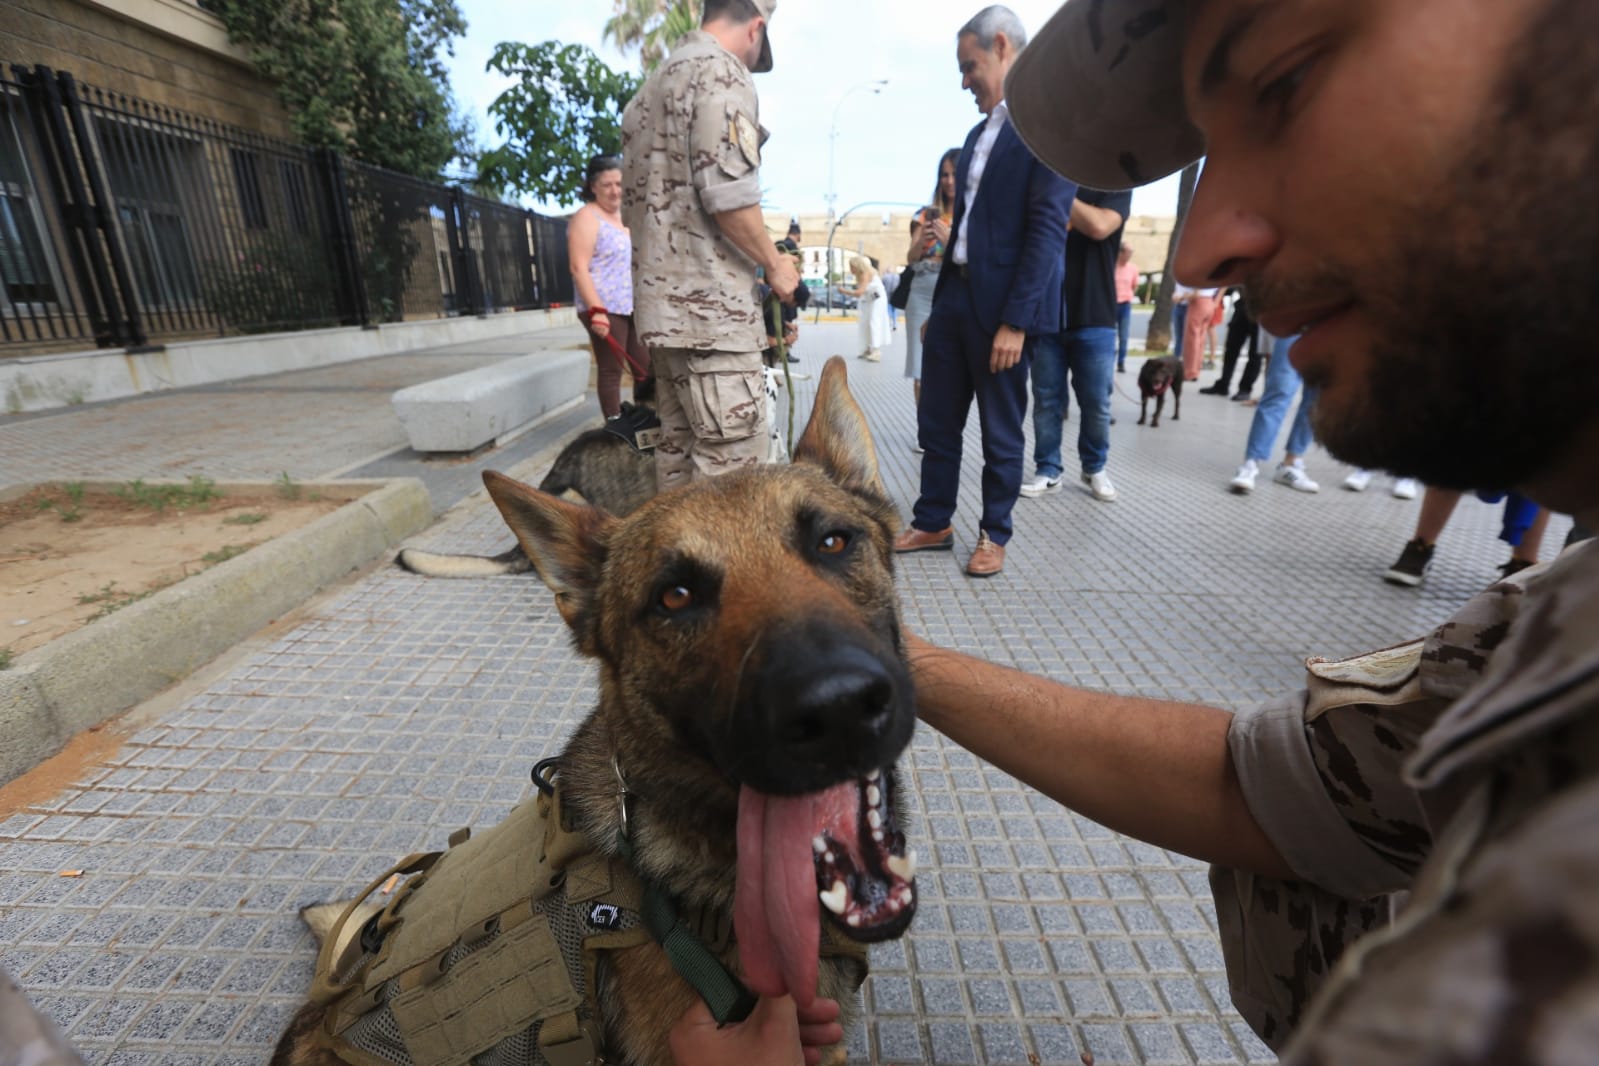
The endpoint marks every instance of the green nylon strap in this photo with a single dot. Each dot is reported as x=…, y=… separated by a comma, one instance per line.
x=729, y=1000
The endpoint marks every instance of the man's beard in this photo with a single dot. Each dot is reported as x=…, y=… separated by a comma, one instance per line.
x=1487, y=308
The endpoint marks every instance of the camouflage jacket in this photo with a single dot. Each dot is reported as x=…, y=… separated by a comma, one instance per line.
x=27, y=1038
x=691, y=149
x=1440, y=801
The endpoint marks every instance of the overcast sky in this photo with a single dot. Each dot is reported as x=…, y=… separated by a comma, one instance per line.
x=888, y=144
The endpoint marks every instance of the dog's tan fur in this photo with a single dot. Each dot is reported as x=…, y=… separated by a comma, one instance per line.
x=669, y=689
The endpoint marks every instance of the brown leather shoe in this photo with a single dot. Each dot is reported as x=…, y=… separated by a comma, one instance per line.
x=987, y=558
x=914, y=540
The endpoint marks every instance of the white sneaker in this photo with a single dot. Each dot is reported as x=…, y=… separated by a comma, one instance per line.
x=1405, y=488
x=1357, y=480
x=1243, y=482
x=1099, y=484
x=1295, y=477
x=1040, y=485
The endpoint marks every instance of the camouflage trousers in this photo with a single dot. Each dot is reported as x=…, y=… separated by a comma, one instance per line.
x=713, y=413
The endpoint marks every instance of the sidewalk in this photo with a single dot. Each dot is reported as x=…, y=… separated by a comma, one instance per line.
x=395, y=709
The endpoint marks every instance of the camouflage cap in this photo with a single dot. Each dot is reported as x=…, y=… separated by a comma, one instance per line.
x=1098, y=94
x=763, y=64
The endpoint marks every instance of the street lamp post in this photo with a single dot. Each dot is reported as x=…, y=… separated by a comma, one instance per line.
x=832, y=152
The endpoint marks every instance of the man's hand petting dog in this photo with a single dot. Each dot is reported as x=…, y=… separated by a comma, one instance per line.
x=696, y=1040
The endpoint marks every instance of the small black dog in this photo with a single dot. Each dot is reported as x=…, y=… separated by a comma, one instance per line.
x=1154, y=379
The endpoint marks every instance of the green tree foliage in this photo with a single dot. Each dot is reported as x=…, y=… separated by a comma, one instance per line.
x=652, y=27
x=566, y=106
x=365, y=77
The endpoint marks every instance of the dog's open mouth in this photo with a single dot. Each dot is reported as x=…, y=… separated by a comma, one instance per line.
x=837, y=850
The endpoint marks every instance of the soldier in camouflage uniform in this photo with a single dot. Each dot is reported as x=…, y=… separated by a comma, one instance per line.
x=1406, y=852
x=27, y=1038
x=691, y=146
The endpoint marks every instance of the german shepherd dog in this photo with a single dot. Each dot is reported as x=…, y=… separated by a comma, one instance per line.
x=599, y=465
x=754, y=696
x=1155, y=378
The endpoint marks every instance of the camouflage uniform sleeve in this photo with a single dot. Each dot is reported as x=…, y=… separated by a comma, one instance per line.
x=725, y=164
x=1321, y=772
x=1507, y=972
x=27, y=1038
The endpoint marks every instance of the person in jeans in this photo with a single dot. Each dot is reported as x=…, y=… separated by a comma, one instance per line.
x=1282, y=382
x=923, y=259
x=1086, y=349
x=1126, y=294
x=998, y=293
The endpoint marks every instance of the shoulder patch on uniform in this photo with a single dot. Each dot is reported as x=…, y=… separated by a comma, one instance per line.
x=1383, y=678
x=605, y=916
x=747, y=136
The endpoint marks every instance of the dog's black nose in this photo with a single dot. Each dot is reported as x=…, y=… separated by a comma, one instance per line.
x=852, y=702
x=822, y=707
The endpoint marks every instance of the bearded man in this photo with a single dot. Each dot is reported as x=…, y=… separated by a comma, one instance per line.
x=1397, y=183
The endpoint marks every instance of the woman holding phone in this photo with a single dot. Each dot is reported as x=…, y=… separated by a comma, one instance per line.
x=924, y=259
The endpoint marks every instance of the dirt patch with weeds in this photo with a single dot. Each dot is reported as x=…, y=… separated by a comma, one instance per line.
x=69, y=556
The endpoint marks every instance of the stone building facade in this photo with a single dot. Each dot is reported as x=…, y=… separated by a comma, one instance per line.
x=885, y=236
x=168, y=52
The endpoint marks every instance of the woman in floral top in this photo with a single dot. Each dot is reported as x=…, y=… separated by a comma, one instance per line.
x=601, y=253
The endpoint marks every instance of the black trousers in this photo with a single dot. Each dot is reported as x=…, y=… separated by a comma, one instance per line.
x=1240, y=331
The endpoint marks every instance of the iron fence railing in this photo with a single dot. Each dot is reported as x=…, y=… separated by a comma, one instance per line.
x=123, y=222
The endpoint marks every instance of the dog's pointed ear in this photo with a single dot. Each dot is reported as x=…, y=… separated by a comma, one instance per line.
x=566, y=542
x=836, y=438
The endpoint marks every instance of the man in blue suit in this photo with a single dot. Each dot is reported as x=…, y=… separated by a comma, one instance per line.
x=999, y=288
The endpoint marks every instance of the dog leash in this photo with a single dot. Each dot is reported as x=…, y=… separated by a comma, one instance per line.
x=774, y=307
x=621, y=353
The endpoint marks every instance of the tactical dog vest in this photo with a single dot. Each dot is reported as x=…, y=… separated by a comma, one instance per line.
x=638, y=425
x=495, y=963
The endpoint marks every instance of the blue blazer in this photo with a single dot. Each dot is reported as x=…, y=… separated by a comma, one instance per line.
x=1016, y=242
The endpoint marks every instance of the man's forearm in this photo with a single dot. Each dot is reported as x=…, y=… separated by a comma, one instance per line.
x=1157, y=771
x=1095, y=223
x=747, y=230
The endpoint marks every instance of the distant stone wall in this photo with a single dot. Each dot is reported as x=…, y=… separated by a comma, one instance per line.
x=865, y=232
x=168, y=52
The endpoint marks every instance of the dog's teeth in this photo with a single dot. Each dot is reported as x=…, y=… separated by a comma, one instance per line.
x=835, y=898
x=818, y=845
x=854, y=918
x=877, y=836
x=905, y=868
x=874, y=819
x=874, y=795
x=874, y=775
x=902, y=894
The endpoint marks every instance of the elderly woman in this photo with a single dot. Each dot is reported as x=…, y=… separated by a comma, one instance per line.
x=874, y=327
x=601, y=253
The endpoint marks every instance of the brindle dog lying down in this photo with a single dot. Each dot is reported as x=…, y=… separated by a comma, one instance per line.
x=740, y=765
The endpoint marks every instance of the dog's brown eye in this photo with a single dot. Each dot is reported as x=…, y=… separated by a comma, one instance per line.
x=677, y=598
x=833, y=544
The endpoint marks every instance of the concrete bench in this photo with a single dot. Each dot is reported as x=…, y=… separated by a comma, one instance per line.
x=465, y=411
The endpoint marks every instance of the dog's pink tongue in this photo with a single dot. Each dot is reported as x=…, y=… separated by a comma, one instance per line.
x=776, y=915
